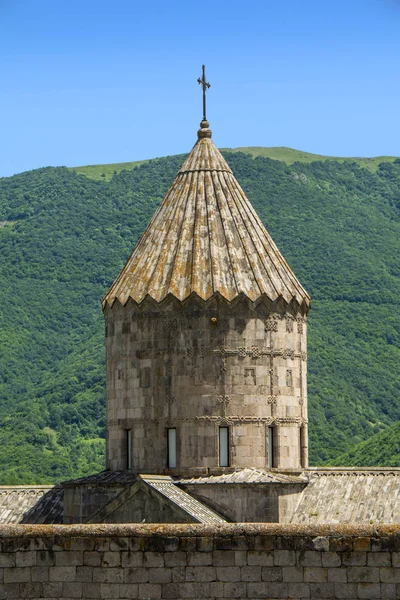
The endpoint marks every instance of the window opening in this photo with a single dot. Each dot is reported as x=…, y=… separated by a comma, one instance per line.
x=224, y=446
x=171, y=448
x=128, y=433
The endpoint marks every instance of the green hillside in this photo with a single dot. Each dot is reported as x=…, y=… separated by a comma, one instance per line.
x=382, y=449
x=65, y=236
x=286, y=155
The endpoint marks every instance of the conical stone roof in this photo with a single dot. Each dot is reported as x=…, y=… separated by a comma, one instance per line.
x=206, y=239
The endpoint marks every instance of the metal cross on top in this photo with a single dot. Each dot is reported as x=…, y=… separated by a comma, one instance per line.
x=205, y=85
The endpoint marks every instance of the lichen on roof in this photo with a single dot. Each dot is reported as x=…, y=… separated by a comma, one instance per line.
x=206, y=239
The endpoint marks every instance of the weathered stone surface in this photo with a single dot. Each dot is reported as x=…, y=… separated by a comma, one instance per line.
x=277, y=572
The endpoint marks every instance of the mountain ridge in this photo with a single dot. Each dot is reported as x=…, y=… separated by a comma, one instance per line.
x=282, y=153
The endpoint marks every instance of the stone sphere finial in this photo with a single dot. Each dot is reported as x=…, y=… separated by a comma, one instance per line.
x=204, y=131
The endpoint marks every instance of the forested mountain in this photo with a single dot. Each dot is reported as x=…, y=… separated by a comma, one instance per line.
x=65, y=236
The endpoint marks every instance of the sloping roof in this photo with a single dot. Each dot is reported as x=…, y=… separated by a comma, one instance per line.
x=350, y=496
x=204, y=239
x=166, y=486
x=31, y=504
x=159, y=486
x=244, y=476
x=103, y=478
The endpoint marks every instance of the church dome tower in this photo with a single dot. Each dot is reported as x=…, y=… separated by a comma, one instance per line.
x=206, y=336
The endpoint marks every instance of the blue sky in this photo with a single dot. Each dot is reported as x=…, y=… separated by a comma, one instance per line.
x=86, y=82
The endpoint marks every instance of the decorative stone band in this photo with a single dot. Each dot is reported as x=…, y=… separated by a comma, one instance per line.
x=254, y=352
x=129, y=423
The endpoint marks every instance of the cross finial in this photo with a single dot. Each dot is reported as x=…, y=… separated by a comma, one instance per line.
x=205, y=85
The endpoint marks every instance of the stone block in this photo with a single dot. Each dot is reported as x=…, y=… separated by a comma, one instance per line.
x=284, y=558
x=7, y=559
x=108, y=575
x=331, y=559
x=153, y=559
x=17, y=575
x=271, y=574
x=196, y=559
x=53, y=589
x=240, y=558
x=278, y=590
x=346, y=591
x=177, y=559
x=223, y=558
x=293, y=574
x=30, y=590
x=149, y=590
x=363, y=574
x=8, y=591
x=178, y=574
x=258, y=590
x=72, y=589
x=91, y=590
x=235, y=590
x=337, y=575
x=194, y=590
x=262, y=559
x=315, y=574
x=84, y=574
x=204, y=544
x=299, y=590
x=389, y=575
x=135, y=575
x=132, y=559
x=128, y=590
x=388, y=591
x=231, y=574
x=160, y=575
x=25, y=559
x=45, y=558
x=250, y=573
x=362, y=544
x=354, y=559
x=318, y=591
x=309, y=558
x=39, y=574
x=201, y=574
x=170, y=590
x=91, y=559
x=379, y=559
x=69, y=559
x=110, y=559
x=109, y=590
x=264, y=543
x=217, y=589
x=369, y=590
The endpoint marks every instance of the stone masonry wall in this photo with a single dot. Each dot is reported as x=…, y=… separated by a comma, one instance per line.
x=196, y=369
x=196, y=561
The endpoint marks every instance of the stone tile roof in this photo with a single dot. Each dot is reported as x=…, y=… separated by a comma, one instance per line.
x=245, y=476
x=206, y=239
x=165, y=486
x=104, y=477
x=350, y=496
x=31, y=504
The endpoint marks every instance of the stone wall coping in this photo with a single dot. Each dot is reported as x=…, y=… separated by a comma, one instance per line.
x=339, y=470
x=227, y=530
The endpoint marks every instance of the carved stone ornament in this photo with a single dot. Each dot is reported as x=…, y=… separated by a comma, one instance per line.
x=271, y=325
x=223, y=399
x=272, y=399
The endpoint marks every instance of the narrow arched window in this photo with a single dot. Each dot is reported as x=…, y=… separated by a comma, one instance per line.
x=270, y=449
x=171, y=444
x=224, y=446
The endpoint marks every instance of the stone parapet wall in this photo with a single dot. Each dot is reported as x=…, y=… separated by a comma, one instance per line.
x=196, y=561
